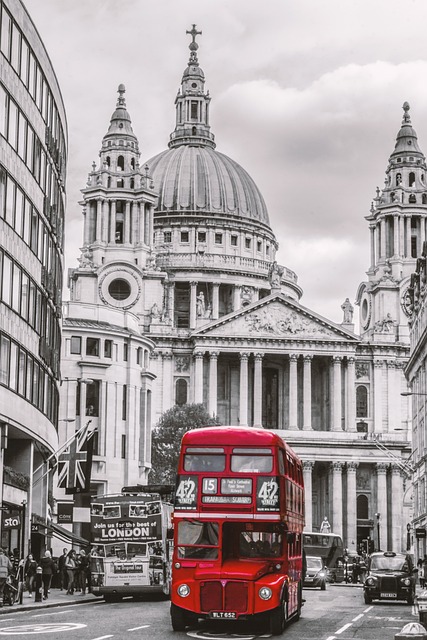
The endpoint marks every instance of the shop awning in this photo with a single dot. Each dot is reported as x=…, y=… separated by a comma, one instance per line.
x=67, y=536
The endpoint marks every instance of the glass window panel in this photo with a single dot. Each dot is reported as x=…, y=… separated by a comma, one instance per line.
x=41, y=388
x=19, y=210
x=7, y=280
x=22, y=373
x=4, y=359
x=3, y=110
x=32, y=304
x=34, y=231
x=3, y=182
x=27, y=222
x=24, y=296
x=22, y=136
x=29, y=385
x=16, y=47
x=13, y=124
x=10, y=201
x=76, y=345
x=30, y=147
x=13, y=369
x=6, y=24
x=16, y=289
x=31, y=75
x=36, y=378
x=42, y=169
x=36, y=159
x=24, y=61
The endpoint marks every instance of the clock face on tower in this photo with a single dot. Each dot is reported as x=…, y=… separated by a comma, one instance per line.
x=406, y=303
x=119, y=288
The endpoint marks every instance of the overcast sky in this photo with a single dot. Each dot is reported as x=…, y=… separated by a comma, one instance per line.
x=307, y=96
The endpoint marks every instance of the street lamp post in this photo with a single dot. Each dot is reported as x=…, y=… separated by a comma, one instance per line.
x=378, y=516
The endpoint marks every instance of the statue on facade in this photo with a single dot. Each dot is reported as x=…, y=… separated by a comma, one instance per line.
x=275, y=275
x=200, y=305
x=155, y=312
x=325, y=527
x=348, y=309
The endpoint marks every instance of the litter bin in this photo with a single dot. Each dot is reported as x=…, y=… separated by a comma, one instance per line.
x=38, y=584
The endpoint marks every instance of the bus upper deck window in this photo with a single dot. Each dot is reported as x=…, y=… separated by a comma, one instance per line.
x=210, y=459
x=251, y=461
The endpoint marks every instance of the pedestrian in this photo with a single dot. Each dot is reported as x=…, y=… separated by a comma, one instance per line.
x=30, y=568
x=48, y=569
x=63, y=576
x=83, y=571
x=77, y=576
x=6, y=569
x=70, y=565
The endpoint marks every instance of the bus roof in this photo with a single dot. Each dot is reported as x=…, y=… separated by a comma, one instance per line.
x=240, y=436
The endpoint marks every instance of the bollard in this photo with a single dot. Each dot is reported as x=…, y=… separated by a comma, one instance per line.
x=422, y=607
x=38, y=584
x=412, y=631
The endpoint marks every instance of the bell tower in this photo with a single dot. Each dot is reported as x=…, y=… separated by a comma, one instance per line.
x=397, y=223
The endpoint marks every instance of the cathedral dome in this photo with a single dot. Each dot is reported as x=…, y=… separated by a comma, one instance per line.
x=197, y=178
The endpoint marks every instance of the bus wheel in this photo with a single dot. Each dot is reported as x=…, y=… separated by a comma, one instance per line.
x=368, y=599
x=178, y=618
x=278, y=618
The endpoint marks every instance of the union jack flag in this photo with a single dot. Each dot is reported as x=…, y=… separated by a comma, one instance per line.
x=75, y=464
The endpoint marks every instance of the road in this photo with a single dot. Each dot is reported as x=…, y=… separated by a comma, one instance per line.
x=338, y=613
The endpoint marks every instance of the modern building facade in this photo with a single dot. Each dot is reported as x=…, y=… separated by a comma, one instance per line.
x=185, y=249
x=33, y=154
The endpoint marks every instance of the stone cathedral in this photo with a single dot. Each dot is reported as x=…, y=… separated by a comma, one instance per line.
x=178, y=298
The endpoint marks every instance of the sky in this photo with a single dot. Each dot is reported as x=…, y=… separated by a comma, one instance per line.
x=306, y=95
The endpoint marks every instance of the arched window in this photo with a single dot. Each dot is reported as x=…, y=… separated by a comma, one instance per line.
x=139, y=355
x=398, y=179
x=362, y=507
x=194, y=131
x=181, y=391
x=132, y=183
x=120, y=163
x=132, y=163
x=361, y=402
x=120, y=183
x=108, y=161
x=424, y=198
x=411, y=179
x=412, y=199
x=108, y=182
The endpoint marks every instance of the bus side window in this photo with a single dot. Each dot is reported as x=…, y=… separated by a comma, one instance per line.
x=281, y=463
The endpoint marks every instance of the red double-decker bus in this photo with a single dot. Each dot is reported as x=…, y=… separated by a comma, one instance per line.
x=238, y=521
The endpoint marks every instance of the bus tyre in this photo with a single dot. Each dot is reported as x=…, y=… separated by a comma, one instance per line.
x=411, y=598
x=178, y=618
x=368, y=599
x=278, y=618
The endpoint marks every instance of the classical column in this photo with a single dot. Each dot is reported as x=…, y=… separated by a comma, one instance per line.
x=307, y=469
x=393, y=394
x=215, y=301
x=150, y=223
x=112, y=237
x=198, y=377
x=396, y=235
x=336, y=425
x=351, y=394
x=213, y=382
x=86, y=216
x=378, y=414
x=351, y=505
x=168, y=391
x=383, y=239
x=135, y=223
x=141, y=222
x=171, y=302
x=307, y=392
x=243, y=397
x=402, y=236
x=128, y=218
x=422, y=232
x=293, y=391
x=258, y=390
x=236, y=297
x=98, y=236
x=372, y=234
x=396, y=507
x=146, y=224
x=382, y=505
x=193, y=295
x=408, y=236
x=337, y=497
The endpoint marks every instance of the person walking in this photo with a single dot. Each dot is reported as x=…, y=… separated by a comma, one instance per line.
x=70, y=565
x=63, y=577
x=30, y=568
x=83, y=570
x=48, y=569
x=6, y=569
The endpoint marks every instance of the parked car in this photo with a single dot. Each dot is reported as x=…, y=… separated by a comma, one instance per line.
x=390, y=576
x=316, y=574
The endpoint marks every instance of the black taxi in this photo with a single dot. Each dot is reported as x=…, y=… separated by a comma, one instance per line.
x=390, y=576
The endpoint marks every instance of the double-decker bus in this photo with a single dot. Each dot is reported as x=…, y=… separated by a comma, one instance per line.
x=132, y=542
x=238, y=521
x=330, y=548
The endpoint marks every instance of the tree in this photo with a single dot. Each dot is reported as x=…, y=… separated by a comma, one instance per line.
x=166, y=438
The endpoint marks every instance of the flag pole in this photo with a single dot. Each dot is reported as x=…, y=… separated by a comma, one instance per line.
x=55, y=453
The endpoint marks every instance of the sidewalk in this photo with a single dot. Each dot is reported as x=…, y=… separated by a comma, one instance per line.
x=56, y=598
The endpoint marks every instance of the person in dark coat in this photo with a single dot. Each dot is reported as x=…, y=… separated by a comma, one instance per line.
x=48, y=569
x=30, y=568
x=63, y=576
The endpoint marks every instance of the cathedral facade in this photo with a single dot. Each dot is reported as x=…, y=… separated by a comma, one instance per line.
x=178, y=298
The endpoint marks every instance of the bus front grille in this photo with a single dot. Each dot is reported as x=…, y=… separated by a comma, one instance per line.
x=388, y=585
x=230, y=596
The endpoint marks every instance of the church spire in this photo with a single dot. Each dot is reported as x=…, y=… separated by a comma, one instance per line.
x=192, y=104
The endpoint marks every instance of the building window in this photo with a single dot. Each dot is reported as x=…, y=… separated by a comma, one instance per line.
x=181, y=392
x=233, y=241
x=108, y=348
x=411, y=179
x=259, y=245
x=125, y=352
x=124, y=402
x=167, y=236
x=123, y=451
x=361, y=402
x=92, y=346
x=247, y=243
x=139, y=355
x=120, y=163
x=194, y=109
x=362, y=507
x=76, y=345
x=185, y=236
x=218, y=238
x=201, y=236
x=119, y=289
x=92, y=398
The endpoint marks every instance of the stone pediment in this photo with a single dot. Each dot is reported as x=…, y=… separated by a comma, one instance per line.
x=276, y=317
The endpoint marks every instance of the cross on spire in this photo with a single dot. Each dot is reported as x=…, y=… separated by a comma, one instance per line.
x=193, y=46
x=193, y=33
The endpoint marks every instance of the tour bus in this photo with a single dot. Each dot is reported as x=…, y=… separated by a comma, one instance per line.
x=330, y=548
x=131, y=536
x=238, y=521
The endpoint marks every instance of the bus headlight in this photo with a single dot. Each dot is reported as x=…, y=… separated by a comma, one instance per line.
x=265, y=593
x=183, y=590
x=177, y=565
x=406, y=582
x=370, y=582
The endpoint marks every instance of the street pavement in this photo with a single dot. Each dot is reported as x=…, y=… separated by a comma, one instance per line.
x=56, y=598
